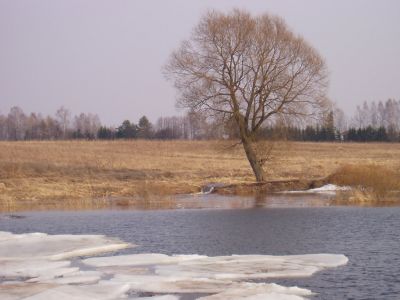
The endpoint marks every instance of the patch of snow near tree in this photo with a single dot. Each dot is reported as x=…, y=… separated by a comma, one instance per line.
x=38, y=266
x=329, y=189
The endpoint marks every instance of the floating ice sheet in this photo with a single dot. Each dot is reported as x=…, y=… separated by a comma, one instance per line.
x=252, y=291
x=38, y=266
x=55, y=247
x=237, y=267
x=139, y=260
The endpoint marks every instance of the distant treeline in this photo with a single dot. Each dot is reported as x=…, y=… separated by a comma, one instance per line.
x=371, y=123
x=18, y=126
x=324, y=134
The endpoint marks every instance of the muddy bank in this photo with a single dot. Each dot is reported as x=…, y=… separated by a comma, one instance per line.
x=271, y=186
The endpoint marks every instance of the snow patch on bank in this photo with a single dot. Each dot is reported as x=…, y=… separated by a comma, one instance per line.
x=329, y=189
x=38, y=266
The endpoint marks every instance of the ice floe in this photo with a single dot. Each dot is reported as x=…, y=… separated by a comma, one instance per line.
x=253, y=291
x=139, y=260
x=236, y=267
x=55, y=247
x=37, y=266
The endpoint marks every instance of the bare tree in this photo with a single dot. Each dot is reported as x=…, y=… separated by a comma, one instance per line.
x=87, y=125
x=32, y=127
x=366, y=114
x=381, y=114
x=374, y=115
x=358, y=120
x=391, y=113
x=249, y=69
x=3, y=127
x=340, y=120
x=16, y=124
x=63, y=117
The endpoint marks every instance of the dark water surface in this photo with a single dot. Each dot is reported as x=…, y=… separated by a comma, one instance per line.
x=370, y=237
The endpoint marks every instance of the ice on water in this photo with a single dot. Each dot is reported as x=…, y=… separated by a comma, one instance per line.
x=37, y=266
x=55, y=247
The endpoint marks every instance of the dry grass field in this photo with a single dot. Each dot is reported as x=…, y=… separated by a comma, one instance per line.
x=80, y=173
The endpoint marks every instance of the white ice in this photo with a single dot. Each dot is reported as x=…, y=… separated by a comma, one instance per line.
x=139, y=259
x=253, y=291
x=38, y=266
x=183, y=285
x=329, y=189
x=237, y=267
x=55, y=247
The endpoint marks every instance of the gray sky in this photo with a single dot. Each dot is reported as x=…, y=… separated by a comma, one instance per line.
x=106, y=56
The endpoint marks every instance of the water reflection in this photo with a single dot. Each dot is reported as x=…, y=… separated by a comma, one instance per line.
x=257, y=201
x=199, y=201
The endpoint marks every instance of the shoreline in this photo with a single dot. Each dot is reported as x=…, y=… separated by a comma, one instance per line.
x=87, y=174
x=214, y=201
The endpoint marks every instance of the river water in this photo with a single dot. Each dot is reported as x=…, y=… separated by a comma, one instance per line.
x=370, y=237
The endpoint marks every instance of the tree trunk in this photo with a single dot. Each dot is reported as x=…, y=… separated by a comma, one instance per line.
x=253, y=160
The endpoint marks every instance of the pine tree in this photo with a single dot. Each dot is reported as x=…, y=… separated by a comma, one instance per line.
x=145, y=128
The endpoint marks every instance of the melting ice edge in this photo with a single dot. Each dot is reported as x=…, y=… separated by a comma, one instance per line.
x=38, y=266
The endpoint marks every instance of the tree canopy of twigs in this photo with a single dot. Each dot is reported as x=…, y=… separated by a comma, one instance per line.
x=249, y=69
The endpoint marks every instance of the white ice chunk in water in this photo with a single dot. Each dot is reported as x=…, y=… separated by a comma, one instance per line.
x=55, y=247
x=105, y=291
x=76, y=277
x=237, y=267
x=172, y=284
x=248, y=267
x=35, y=266
x=42, y=257
x=139, y=260
x=84, y=292
x=182, y=285
x=252, y=291
x=17, y=291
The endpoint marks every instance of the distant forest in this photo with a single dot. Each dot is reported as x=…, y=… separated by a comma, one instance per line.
x=372, y=122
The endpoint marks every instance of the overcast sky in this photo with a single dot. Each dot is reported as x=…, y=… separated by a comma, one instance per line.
x=106, y=56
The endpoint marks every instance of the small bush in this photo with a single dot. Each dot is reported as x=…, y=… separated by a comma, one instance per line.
x=375, y=179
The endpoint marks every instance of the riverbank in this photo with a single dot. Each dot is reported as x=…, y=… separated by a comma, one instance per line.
x=81, y=174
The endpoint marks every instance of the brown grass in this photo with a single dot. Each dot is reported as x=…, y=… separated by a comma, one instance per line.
x=83, y=172
x=371, y=182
